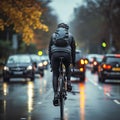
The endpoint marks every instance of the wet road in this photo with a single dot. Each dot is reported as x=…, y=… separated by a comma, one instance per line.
x=25, y=100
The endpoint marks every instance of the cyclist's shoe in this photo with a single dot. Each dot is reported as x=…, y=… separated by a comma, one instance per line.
x=69, y=87
x=56, y=99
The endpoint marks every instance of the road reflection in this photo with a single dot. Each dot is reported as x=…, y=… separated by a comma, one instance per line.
x=5, y=89
x=107, y=89
x=43, y=83
x=5, y=92
x=30, y=96
x=82, y=101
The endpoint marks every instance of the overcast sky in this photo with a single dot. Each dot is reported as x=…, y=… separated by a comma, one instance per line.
x=64, y=8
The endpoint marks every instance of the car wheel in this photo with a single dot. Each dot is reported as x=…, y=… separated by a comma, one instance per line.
x=82, y=79
x=101, y=79
x=6, y=79
x=42, y=74
x=92, y=71
x=32, y=78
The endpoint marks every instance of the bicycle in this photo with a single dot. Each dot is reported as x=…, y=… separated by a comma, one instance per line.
x=62, y=88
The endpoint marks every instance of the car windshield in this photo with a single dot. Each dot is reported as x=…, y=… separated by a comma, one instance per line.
x=44, y=57
x=113, y=59
x=35, y=58
x=99, y=59
x=18, y=59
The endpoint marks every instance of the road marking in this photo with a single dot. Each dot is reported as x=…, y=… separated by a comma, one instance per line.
x=117, y=102
x=39, y=102
x=93, y=82
x=107, y=94
x=100, y=87
x=23, y=118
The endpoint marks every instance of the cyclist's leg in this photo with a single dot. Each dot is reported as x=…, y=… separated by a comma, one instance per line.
x=55, y=68
x=68, y=70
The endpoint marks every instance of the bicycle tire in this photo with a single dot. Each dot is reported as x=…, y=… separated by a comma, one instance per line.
x=61, y=99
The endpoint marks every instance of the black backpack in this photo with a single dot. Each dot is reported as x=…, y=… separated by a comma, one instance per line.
x=61, y=38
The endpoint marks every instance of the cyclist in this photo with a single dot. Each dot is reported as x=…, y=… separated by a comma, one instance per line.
x=68, y=54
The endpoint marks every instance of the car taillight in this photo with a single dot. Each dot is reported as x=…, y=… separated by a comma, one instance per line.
x=86, y=61
x=81, y=69
x=82, y=62
x=117, y=55
x=106, y=66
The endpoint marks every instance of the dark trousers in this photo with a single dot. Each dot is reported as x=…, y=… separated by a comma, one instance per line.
x=55, y=63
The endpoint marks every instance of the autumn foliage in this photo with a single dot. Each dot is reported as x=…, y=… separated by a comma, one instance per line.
x=24, y=15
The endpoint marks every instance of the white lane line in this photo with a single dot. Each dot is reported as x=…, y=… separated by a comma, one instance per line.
x=107, y=94
x=93, y=82
x=117, y=102
x=100, y=87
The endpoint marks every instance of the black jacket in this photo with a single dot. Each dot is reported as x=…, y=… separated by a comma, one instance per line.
x=62, y=49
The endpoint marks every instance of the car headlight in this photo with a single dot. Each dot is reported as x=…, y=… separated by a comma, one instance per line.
x=6, y=68
x=45, y=62
x=29, y=67
x=40, y=64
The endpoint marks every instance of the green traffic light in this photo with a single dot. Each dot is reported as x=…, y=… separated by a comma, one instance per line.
x=104, y=44
x=40, y=53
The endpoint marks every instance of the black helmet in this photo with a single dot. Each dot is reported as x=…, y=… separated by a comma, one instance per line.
x=63, y=25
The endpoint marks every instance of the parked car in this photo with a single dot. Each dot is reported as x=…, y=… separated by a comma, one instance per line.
x=18, y=66
x=109, y=67
x=38, y=63
x=79, y=70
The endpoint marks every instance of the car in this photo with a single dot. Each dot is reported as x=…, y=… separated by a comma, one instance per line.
x=95, y=63
x=45, y=60
x=90, y=60
x=38, y=63
x=109, y=67
x=18, y=66
x=80, y=66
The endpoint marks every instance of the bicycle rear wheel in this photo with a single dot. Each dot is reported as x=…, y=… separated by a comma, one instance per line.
x=62, y=99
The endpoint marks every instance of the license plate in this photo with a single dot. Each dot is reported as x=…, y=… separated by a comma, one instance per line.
x=116, y=69
x=75, y=70
x=18, y=73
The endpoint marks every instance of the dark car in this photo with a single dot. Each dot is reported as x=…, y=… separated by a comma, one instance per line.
x=79, y=70
x=109, y=67
x=95, y=63
x=38, y=63
x=18, y=66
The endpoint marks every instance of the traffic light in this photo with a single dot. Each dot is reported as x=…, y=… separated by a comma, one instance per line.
x=40, y=52
x=103, y=44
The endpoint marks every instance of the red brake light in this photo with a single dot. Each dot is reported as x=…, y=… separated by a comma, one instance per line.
x=106, y=66
x=117, y=55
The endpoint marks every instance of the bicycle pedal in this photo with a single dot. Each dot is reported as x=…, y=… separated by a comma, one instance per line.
x=65, y=98
x=56, y=102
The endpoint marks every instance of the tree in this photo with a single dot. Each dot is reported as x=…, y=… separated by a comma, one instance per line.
x=97, y=19
x=42, y=38
x=24, y=16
